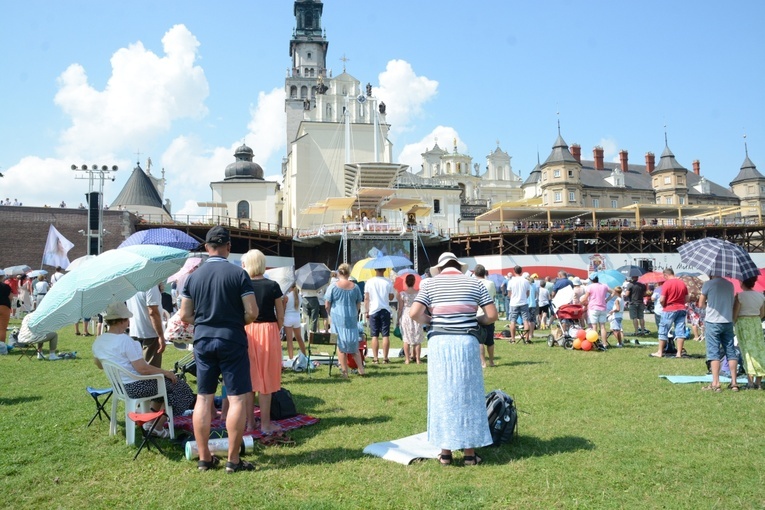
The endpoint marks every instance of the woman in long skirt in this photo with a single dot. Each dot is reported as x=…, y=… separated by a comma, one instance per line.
x=748, y=312
x=343, y=301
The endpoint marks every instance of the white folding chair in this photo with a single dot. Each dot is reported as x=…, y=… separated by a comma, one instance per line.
x=115, y=373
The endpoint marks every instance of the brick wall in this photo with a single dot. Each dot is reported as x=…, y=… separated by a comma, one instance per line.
x=24, y=230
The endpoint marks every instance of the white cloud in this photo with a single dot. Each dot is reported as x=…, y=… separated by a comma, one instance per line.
x=610, y=149
x=142, y=98
x=445, y=136
x=268, y=126
x=404, y=94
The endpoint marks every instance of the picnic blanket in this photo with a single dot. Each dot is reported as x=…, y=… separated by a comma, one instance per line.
x=296, y=422
x=685, y=379
x=405, y=450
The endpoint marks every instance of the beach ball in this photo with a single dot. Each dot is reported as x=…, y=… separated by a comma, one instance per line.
x=581, y=334
x=586, y=345
x=592, y=335
x=578, y=343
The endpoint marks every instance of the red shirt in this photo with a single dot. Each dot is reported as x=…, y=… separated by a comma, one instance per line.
x=675, y=294
x=13, y=283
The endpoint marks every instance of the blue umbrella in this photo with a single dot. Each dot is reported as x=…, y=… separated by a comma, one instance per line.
x=162, y=237
x=386, y=261
x=498, y=279
x=611, y=277
x=113, y=276
x=312, y=276
x=17, y=270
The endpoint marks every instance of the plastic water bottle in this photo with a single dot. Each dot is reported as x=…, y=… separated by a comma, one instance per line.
x=219, y=446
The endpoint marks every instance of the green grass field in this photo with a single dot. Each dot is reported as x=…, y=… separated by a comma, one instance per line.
x=597, y=430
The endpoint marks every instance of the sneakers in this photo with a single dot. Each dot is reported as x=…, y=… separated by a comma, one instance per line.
x=40, y=355
x=53, y=356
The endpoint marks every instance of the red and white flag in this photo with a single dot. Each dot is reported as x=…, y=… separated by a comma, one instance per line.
x=56, y=249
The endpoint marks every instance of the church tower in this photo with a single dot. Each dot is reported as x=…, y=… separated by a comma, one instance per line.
x=308, y=49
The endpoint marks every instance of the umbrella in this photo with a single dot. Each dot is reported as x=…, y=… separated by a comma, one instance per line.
x=284, y=276
x=387, y=261
x=400, y=282
x=113, y=276
x=611, y=277
x=163, y=237
x=498, y=279
x=362, y=274
x=405, y=270
x=716, y=257
x=17, y=270
x=37, y=272
x=630, y=271
x=759, y=285
x=191, y=264
x=688, y=273
x=694, y=284
x=79, y=261
x=563, y=297
x=652, y=278
x=312, y=276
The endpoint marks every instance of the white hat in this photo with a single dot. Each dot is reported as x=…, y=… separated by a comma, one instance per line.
x=443, y=260
x=576, y=281
x=526, y=275
x=117, y=311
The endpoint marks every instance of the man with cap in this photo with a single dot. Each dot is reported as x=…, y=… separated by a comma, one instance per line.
x=219, y=300
x=518, y=289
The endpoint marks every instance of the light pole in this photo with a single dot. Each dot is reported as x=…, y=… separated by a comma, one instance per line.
x=94, y=197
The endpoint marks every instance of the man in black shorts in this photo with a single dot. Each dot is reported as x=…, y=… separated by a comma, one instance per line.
x=635, y=294
x=219, y=300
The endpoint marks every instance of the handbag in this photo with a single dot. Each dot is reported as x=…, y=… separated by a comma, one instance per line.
x=397, y=332
x=282, y=405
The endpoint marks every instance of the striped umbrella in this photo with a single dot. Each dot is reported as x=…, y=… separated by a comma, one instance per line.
x=716, y=257
x=113, y=276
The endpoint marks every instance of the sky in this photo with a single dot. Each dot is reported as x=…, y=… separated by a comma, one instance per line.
x=185, y=82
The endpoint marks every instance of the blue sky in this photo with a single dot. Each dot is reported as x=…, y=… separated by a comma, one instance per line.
x=184, y=82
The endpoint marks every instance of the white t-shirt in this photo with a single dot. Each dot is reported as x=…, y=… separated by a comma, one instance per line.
x=518, y=287
x=119, y=349
x=140, y=323
x=491, y=288
x=379, y=290
x=544, y=296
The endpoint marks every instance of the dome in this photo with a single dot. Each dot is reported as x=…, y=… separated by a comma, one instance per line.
x=244, y=167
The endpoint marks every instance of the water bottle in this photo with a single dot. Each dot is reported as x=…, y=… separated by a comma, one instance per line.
x=219, y=446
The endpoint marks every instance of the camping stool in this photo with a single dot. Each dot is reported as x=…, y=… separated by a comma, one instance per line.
x=142, y=418
x=100, y=406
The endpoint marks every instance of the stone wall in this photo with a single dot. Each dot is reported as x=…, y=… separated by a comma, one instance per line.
x=24, y=231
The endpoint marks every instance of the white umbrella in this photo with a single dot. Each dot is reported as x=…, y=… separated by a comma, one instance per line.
x=78, y=262
x=284, y=276
x=563, y=296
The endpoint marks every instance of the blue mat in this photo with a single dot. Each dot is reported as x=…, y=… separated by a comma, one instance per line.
x=685, y=379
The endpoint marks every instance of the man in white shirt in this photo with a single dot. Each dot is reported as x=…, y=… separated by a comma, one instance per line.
x=146, y=324
x=518, y=289
x=378, y=292
x=56, y=276
x=480, y=273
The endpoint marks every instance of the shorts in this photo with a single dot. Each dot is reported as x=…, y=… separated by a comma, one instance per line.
x=544, y=309
x=719, y=340
x=215, y=357
x=637, y=311
x=616, y=324
x=533, y=314
x=379, y=323
x=597, y=316
x=292, y=320
x=669, y=319
x=515, y=311
x=489, y=330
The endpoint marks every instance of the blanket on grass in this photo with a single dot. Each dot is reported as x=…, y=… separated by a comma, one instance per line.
x=685, y=379
x=405, y=450
x=219, y=426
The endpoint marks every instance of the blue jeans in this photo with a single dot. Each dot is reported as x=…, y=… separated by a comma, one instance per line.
x=668, y=319
x=719, y=340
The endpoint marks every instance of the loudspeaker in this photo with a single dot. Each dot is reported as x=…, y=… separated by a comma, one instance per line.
x=93, y=248
x=646, y=265
x=94, y=207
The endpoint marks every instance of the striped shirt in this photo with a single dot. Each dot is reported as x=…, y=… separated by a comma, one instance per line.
x=453, y=299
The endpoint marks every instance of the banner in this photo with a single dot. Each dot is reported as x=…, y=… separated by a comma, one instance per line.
x=56, y=249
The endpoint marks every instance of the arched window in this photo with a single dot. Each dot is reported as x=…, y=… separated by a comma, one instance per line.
x=303, y=92
x=293, y=92
x=448, y=168
x=243, y=210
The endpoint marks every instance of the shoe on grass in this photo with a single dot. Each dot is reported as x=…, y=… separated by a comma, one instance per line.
x=53, y=356
x=40, y=355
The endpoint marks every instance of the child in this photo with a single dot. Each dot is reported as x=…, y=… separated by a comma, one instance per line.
x=616, y=315
x=696, y=317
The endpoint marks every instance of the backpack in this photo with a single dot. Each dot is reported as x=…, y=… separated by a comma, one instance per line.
x=282, y=405
x=503, y=417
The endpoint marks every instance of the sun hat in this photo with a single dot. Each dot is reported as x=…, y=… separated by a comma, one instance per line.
x=117, y=311
x=218, y=235
x=444, y=259
x=576, y=281
x=525, y=276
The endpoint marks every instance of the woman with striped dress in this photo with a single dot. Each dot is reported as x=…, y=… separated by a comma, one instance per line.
x=456, y=401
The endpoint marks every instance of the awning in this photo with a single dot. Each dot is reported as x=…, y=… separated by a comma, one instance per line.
x=420, y=210
x=314, y=209
x=401, y=203
x=338, y=203
x=375, y=192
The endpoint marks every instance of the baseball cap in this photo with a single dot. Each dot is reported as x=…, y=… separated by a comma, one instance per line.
x=218, y=235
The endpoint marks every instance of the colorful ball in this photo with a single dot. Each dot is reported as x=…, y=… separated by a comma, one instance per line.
x=592, y=335
x=581, y=334
x=586, y=345
x=578, y=343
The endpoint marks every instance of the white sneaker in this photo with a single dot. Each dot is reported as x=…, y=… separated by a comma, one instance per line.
x=53, y=356
x=40, y=355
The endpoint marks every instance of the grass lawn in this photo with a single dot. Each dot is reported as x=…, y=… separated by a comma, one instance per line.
x=597, y=430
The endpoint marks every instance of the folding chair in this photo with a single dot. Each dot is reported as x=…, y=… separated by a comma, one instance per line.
x=115, y=374
x=322, y=339
x=28, y=349
x=100, y=406
x=148, y=439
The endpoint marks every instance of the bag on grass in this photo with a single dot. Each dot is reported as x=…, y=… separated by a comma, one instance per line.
x=503, y=417
x=300, y=363
x=282, y=405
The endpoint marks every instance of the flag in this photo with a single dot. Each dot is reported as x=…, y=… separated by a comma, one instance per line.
x=56, y=249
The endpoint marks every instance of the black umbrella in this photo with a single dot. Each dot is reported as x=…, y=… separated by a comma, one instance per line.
x=630, y=271
x=312, y=276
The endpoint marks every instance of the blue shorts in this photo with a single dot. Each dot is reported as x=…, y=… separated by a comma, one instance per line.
x=719, y=340
x=379, y=323
x=215, y=357
x=515, y=311
x=616, y=324
x=669, y=319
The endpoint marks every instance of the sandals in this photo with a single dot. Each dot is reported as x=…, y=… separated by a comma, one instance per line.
x=445, y=459
x=386, y=361
x=711, y=387
x=472, y=460
x=276, y=439
x=204, y=465
x=733, y=387
x=243, y=465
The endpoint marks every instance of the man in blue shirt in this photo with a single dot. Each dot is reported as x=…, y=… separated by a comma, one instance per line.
x=219, y=300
